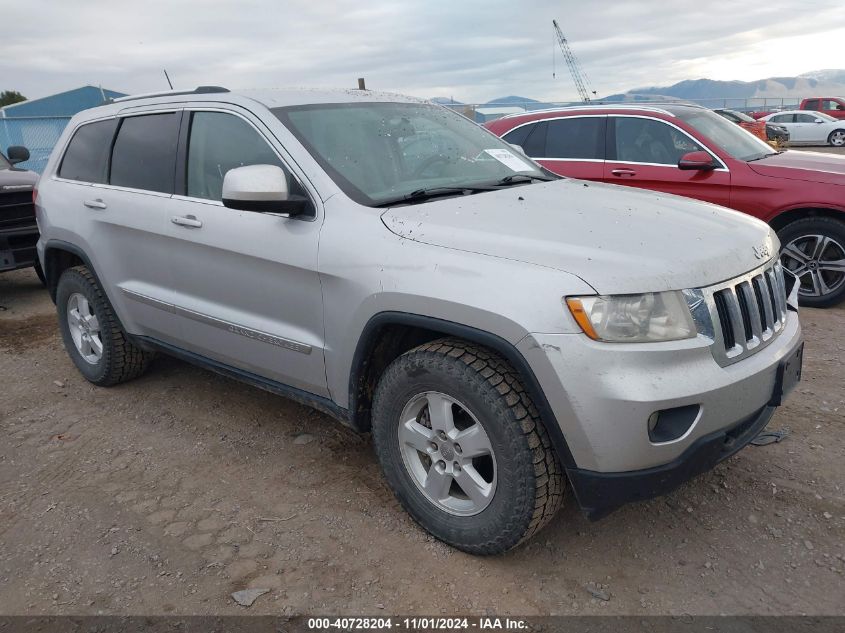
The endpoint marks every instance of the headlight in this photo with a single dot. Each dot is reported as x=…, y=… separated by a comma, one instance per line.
x=656, y=316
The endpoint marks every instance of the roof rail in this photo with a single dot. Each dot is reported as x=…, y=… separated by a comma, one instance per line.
x=649, y=106
x=199, y=90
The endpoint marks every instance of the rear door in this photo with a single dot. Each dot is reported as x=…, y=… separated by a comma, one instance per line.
x=644, y=152
x=568, y=146
x=247, y=289
x=119, y=173
x=811, y=104
x=787, y=121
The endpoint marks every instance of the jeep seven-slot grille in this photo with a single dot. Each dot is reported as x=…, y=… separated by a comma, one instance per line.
x=16, y=210
x=750, y=312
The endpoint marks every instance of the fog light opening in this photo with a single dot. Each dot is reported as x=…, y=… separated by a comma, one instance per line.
x=652, y=422
x=668, y=425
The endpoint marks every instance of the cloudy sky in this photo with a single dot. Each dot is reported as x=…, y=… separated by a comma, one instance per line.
x=468, y=49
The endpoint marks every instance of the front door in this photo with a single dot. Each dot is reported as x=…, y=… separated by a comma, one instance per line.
x=247, y=288
x=834, y=108
x=644, y=152
x=806, y=130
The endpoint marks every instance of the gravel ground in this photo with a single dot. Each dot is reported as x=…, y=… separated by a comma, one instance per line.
x=166, y=494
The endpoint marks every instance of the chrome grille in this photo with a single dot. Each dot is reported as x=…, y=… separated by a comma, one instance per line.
x=747, y=313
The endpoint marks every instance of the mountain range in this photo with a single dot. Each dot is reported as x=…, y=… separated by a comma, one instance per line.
x=829, y=82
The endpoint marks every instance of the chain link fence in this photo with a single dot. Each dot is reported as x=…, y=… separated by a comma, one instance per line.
x=38, y=134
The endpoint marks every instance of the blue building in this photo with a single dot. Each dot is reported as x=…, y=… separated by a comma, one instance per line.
x=64, y=104
x=37, y=124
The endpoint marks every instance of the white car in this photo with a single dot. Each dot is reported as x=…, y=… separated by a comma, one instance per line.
x=810, y=127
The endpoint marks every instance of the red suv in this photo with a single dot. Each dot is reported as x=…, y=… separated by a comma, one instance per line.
x=691, y=151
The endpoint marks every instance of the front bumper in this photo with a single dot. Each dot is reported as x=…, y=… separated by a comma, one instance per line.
x=599, y=494
x=17, y=248
x=603, y=394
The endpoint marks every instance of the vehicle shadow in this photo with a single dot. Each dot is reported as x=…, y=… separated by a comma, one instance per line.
x=19, y=288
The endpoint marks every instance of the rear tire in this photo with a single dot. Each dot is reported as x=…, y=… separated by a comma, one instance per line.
x=497, y=490
x=810, y=249
x=92, y=334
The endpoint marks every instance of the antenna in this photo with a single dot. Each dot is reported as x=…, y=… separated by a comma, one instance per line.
x=166, y=76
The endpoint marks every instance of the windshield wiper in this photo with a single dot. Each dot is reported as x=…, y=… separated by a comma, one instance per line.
x=751, y=160
x=421, y=195
x=518, y=179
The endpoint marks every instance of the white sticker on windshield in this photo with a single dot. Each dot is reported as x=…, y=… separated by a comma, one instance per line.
x=509, y=160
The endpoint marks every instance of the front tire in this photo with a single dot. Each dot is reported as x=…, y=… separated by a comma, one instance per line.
x=836, y=138
x=463, y=448
x=92, y=335
x=813, y=249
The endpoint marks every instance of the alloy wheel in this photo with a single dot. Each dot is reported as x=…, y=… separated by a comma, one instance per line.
x=447, y=453
x=84, y=328
x=819, y=263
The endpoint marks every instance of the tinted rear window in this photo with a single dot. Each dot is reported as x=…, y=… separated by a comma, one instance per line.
x=576, y=137
x=535, y=143
x=144, y=155
x=517, y=136
x=87, y=155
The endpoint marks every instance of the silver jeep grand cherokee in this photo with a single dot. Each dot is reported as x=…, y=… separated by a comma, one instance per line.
x=500, y=331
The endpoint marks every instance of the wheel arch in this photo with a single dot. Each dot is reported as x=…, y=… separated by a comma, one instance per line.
x=387, y=335
x=58, y=257
x=788, y=216
x=841, y=128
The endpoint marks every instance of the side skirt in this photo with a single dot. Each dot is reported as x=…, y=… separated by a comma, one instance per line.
x=324, y=405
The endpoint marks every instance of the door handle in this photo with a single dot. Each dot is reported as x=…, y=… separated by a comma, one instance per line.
x=188, y=220
x=623, y=172
x=95, y=204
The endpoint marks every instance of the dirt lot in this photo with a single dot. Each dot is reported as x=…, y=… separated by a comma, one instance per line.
x=166, y=494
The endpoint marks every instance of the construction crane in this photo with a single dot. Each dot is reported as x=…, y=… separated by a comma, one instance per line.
x=578, y=75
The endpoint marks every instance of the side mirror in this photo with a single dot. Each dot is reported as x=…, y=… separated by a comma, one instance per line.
x=518, y=148
x=696, y=161
x=261, y=188
x=816, y=121
x=18, y=154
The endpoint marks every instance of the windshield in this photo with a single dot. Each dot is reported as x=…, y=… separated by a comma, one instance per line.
x=379, y=152
x=729, y=137
x=824, y=117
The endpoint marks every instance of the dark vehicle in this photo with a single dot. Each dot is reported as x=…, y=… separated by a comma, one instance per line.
x=18, y=230
x=770, y=132
x=777, y=133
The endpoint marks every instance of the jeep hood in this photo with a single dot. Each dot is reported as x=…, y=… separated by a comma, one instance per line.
x=807, y=166
x=16, y=180
x=617, y=239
